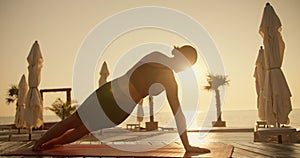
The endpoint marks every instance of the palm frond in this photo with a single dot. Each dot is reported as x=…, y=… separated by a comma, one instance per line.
x=12, y=94
x=62, y=109
x=9, y=100
x=13, y=91
x=215, y=81
x=207, y=88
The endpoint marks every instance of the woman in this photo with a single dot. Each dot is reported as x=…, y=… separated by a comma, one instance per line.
x=113, y=102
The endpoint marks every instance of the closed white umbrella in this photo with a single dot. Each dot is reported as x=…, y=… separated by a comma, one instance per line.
x=104, y=73
x=22, y=93
x=259, y=75
x=276, y=92
x=34, y=104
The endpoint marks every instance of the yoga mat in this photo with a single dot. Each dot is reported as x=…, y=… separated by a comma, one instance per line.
x=173, y=150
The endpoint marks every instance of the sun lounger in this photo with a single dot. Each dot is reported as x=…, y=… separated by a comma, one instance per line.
x=2, y=127
x=133, y=126
x=263, y=134
x=261, y=124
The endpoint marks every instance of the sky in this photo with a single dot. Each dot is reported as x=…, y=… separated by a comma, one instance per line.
x=62, y=26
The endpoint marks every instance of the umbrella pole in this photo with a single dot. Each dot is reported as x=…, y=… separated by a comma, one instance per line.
x=151, y=108
x=30, y=132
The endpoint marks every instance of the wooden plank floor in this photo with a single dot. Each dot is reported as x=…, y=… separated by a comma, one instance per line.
x=242, y=142
x=266, y=150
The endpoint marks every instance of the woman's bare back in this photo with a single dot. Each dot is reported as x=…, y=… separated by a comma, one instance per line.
x=147, y=78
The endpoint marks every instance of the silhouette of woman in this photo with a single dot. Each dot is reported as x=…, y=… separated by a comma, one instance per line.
x=113, y=102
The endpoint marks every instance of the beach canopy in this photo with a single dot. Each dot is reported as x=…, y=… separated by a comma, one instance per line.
x=104, y=73
x=34, y=104
x=20, y=111
x=276, y=104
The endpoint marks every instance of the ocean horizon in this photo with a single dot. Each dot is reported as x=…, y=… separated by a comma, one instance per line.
x=233, y=118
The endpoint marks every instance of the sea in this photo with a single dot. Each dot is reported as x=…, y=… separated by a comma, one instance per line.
x=195, y=120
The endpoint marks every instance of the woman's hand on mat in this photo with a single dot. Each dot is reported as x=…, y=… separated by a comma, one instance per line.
x=193, y=149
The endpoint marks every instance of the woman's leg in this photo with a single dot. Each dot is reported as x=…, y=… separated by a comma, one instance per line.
x=59, y=129
x=68, y=137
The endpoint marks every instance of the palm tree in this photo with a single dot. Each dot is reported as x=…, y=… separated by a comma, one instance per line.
x=214, y=82
x=62, y=109
x=12, y=94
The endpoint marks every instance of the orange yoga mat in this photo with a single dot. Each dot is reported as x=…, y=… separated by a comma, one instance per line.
x=84, y=150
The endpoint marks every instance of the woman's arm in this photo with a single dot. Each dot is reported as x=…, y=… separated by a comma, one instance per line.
x=172, y=96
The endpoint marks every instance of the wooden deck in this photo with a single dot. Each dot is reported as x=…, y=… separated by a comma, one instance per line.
x=251, y=149
x=242, y=142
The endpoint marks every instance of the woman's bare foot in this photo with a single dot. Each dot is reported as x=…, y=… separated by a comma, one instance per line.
x=45, y=146
x=37, y=147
